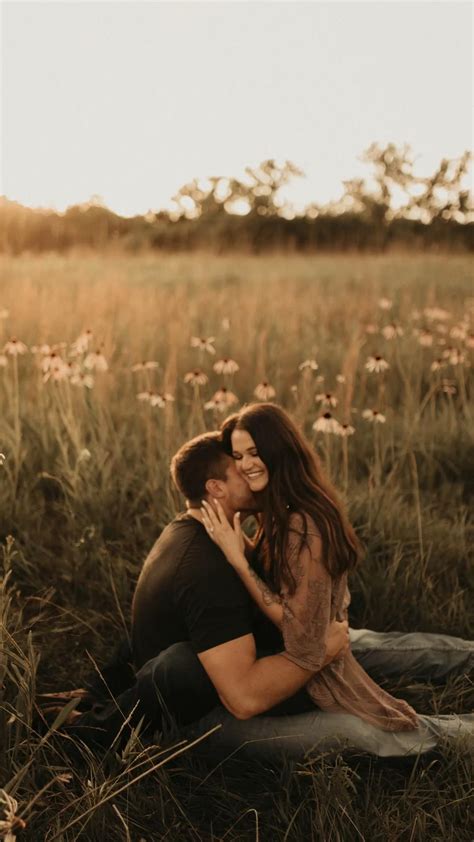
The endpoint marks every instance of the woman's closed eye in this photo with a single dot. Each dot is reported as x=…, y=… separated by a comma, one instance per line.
x=253, y=453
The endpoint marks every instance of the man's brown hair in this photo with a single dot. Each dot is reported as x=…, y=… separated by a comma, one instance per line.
x=196, y=461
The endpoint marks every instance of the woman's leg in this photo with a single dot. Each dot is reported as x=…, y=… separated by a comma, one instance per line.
x=423, y=656
x=294, y=737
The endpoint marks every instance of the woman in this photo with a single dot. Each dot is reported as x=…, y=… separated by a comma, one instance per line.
x=309, y=547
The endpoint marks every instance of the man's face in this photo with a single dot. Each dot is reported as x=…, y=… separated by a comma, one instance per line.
x=238, y=495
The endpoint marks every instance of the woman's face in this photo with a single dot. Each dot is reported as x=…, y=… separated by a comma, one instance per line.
x=248, y=461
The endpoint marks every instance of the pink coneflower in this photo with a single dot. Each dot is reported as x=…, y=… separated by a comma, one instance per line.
x=469, y=340
x=149, y=365
x=83, y=380
x=391, y=331
x=371, y=328
x=81, y=344
x=374, y=416
x=3, y=459
x=310, y=365
x=456, y=357
x=327, y=424
x=340, y=378
x=50, y=360
x=154, y=398
x=319, y=378
x=226, y=366
x=448, y=351
x=203, y=343
x=437, y=365
x=441, y=328
x=71, y=368
x=326, y=399
x=225, y=323
x=436, y=313
x=376, y=364
x=346, y=430
x=458, y=332
x=226, y=396
x=385, y=303
x=264, y=391
x=43, y=349
x=56, y=370
x=14, y=347
x=196, y=377
x=216, y=406
x=96, y=361
x=160, y=399
x=425, y=337
x=448, y=387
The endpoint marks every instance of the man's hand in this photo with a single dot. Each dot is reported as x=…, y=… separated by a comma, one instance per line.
x=337, y=640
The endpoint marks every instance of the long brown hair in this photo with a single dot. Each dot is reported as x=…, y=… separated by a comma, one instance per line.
x=296, y=484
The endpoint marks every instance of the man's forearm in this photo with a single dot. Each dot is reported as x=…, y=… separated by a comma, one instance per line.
x=267, y=682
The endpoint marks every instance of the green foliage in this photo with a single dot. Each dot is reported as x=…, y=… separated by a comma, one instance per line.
x=225, y=213
x=84, y=492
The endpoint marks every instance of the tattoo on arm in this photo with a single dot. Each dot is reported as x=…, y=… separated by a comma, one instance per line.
x=267, y=595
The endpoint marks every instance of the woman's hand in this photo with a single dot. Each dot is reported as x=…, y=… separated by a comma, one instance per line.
x=231, y=541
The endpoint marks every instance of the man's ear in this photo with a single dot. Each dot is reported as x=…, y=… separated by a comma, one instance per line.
x=215, y=488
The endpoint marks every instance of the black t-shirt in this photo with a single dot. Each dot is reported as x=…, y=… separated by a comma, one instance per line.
x=187, y=591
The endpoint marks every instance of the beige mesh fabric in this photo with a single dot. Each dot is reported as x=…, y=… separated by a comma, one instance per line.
x=342, y=686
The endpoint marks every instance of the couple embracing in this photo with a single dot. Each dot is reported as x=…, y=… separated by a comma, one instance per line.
x=252, y=635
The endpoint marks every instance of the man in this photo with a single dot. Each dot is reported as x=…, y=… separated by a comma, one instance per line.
x=205, y=656
x=187, y=591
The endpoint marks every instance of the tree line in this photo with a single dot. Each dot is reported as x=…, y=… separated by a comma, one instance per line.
x=391, y=207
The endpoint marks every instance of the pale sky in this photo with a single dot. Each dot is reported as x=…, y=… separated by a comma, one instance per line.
x=130, y=100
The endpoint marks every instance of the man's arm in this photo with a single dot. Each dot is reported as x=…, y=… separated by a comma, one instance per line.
x=248, y=686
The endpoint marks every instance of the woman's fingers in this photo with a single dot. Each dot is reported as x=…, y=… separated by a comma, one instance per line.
x=206, y=519
x=220, y=511
x=209, y=517
x=215, y=513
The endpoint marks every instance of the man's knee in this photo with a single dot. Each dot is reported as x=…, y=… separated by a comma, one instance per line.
x=177, y=680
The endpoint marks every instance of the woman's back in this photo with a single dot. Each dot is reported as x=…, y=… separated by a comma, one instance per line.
x=317, y=599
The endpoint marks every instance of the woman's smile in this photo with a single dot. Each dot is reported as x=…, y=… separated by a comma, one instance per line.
x=248, y=461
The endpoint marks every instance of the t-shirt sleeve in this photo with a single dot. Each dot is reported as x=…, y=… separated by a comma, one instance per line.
x=212, y=601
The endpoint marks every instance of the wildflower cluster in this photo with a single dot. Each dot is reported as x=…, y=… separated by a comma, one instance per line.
x=77, y=364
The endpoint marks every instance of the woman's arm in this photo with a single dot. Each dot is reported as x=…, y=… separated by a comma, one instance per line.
x=307, y=608
x=267, y=601
x=231, y=542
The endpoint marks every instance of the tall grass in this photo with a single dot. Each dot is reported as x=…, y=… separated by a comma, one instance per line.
x=84, y=491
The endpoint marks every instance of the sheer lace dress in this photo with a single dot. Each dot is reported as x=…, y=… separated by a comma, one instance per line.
x=342, y=686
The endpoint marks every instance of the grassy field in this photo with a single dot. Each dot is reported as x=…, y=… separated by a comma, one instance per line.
x=86, y=434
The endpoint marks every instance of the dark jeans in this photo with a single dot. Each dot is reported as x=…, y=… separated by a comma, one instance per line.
x=173, y=690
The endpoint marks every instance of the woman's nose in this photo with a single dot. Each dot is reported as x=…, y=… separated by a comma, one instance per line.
x=247, y=462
